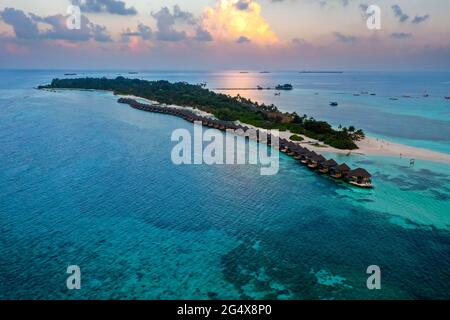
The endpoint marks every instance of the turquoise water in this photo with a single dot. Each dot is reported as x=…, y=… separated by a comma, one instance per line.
x=87, y=181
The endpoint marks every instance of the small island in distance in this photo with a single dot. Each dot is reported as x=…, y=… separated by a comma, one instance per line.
x=223, y=107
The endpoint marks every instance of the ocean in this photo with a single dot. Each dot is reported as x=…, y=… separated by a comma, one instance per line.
x=87, y=181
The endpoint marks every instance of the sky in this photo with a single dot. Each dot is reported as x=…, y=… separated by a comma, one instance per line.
x=225, y=34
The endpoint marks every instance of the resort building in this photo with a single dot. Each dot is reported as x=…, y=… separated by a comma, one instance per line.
x=360, y=177
x=339, y=171
x=325, y=166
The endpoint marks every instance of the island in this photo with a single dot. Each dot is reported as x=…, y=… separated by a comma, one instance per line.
x=286, y=86
x=224, y=107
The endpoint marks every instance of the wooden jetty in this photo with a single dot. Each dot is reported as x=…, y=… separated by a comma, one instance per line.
x=358, y=177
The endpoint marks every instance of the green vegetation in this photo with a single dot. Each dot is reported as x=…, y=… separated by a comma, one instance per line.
x=222, y=106
x=286, y=86
x=318, y=145
x=296, y=137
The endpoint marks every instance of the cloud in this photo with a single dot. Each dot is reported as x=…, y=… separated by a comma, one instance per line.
x=242, y=4
x=420, y=19
x=166, y=21
x=231, y=19
x=143, y=31
x=203, y=35
x=183, y=15
x=298, y=41
x=364, y=7
x=26, y=27
x=105, y=6
x=398, y=12
x=342, y=2
x=242, y=40
x=401, y=35
x=100, y=34
x=303, y=46
x=344, y=38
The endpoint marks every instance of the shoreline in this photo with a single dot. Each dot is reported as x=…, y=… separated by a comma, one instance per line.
x=367, y=146
x=375, y=147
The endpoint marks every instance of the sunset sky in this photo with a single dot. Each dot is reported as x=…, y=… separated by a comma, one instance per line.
x=225, y=34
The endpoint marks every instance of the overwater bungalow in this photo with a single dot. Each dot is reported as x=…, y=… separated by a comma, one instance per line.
x=306, y=155
x=222, y=125
x=299, y=152
x=315, y=161
x=291, y=149
x=360, y=178
x=325, y=166
x=284, y=144
x=339, y=171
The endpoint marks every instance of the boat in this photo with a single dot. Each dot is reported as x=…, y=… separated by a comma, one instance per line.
x=334, y=104
x=393, y=98
x=278, y=93
x=448, y=98
x=356, y=94
x=373, y=94
x=406, y=96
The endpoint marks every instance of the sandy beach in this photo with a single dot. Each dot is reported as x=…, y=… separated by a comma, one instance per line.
x=368, y=146
x=374, y=146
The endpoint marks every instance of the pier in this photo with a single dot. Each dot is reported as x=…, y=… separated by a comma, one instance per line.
x=358, y=177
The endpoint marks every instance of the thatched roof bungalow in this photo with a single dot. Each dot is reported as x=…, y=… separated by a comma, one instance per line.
x=339, y=171
x=360, y=177
x=325, y=166
x=315, y=160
